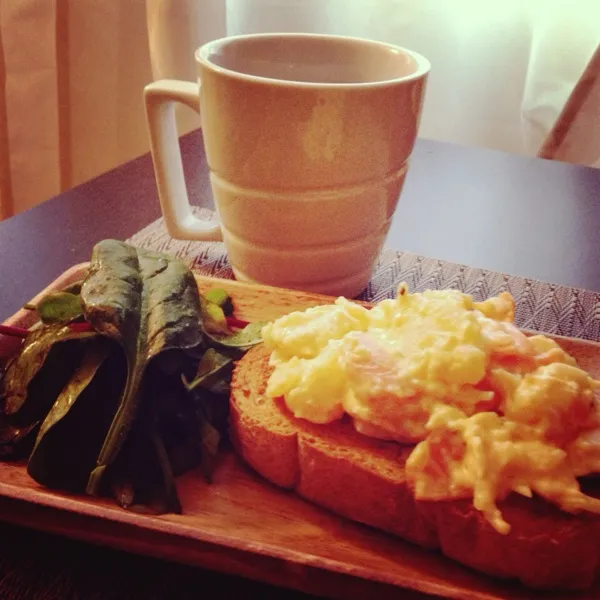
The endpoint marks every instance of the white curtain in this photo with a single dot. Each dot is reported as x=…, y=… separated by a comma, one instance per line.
x=72, y=71
x=71, y=75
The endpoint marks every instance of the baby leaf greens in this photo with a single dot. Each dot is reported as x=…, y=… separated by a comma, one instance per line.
x=212, y=365
x=67, y=443
x=124, y=382
x=147, y=303
x=34, y=377
x=60, y=307
x=242, y=339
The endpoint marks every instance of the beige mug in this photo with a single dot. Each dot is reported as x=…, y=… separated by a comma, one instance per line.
x=307, y=139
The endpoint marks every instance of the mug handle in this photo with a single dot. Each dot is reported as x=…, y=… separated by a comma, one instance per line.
x=159, y=98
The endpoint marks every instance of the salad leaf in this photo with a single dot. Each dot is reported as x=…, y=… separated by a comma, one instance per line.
x=179, y=433
x=149, y=304
x=243, y=339
x=171, y=499
x=134, y=394
x=72, y=433
x=209, y=439
x=34, y=377
x=16, y=442
x=59, y=307
x=74, y=288
x=141, y=478
x=211, y=410
x=176, y=421
x=212, y=365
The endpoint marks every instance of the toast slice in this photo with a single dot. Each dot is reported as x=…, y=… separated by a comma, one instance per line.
x=364, y=480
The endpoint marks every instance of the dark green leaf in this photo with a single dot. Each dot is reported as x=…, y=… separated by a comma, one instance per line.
x=180, y=435
x=72, y=433
x=242, y=339
x=210, y=439
x=168, y=480
x=16, y=442
x=59, y=308
x=221, y=388
x=149, y=304
x=216, y=410
x=33, y=379
x=74, y=288
x=212, y=366
x=141, y=478
x=177, y=422
x=212, y=412
x=221, y=298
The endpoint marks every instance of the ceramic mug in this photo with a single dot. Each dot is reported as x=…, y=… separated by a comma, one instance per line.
x=307, y=139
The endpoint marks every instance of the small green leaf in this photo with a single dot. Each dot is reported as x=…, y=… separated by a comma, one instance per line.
x=73, y=431
x=244, y=338
x=43, y=366
x=16, y=442
x=212, y=365
x=171, y=498
x=59, y=308
x=210, y=439
x=141, y=477
x=220, y=298
x=74, y=288
x=214, y=407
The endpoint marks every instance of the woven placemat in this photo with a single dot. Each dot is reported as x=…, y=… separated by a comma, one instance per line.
x=545, y=307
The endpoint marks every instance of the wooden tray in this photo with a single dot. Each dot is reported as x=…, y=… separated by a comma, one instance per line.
x=245, y=526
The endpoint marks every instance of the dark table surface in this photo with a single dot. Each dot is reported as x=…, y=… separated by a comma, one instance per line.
x=479, y=207
x=484, y=208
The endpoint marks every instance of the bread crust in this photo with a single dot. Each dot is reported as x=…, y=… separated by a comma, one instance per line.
x=364, y=480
